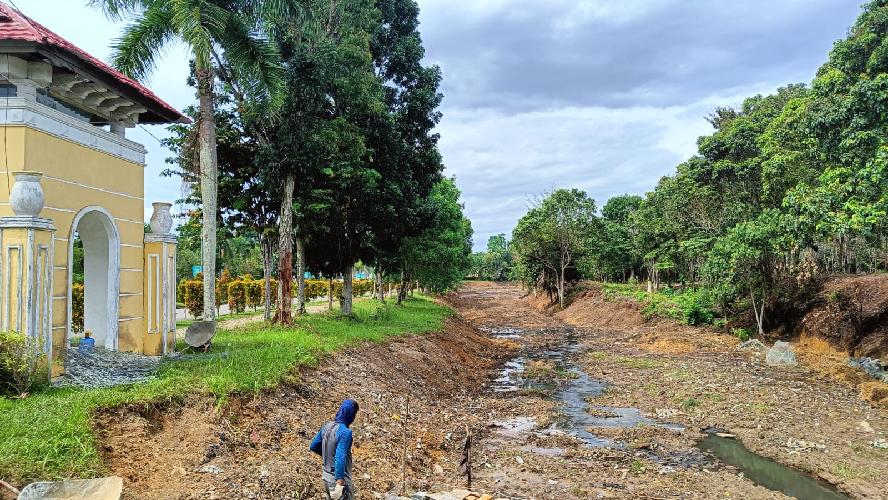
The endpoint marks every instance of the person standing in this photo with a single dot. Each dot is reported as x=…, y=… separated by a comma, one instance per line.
x=333, y=443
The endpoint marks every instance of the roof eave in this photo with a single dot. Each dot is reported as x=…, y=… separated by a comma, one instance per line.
x=60, y=57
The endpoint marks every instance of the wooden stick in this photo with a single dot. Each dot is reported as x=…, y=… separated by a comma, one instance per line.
x=9, y=487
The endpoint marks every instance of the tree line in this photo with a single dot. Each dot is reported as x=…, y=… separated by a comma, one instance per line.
x=313, y=138
x=789, y=188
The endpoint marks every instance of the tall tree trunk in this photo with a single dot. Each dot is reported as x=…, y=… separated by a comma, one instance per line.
x=381, y=281
x=402, y=291
x=346, y=309
x=330, y=293
x=208, y=190
x=285, y=254
x=300, y=276
x=265, y=243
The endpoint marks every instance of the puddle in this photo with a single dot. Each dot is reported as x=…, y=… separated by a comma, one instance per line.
x=515, y=427
x=503, y=332
x=768, y=473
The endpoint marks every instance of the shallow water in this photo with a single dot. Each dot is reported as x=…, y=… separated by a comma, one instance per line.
x=572, y=394
x=768, y=473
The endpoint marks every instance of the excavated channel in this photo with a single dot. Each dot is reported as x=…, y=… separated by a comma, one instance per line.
x=576, y=418
x=571, y=392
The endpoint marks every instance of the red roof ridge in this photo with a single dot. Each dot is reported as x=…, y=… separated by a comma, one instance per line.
x=21, y=27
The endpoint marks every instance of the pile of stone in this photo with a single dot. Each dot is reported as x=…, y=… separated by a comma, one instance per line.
x=875, y=368
x=105, y=368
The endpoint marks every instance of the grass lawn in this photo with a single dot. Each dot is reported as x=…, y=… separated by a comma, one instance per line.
x=182, y=323
x=48, y=436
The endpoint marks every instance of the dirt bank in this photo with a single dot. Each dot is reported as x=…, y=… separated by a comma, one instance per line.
x=851, y=314
x=256, y=446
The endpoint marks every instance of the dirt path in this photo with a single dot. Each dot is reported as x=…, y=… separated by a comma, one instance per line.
x=540, y=396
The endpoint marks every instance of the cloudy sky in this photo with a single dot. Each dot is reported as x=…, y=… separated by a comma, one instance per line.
x=603, y=95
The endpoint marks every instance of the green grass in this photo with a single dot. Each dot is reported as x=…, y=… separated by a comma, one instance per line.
x=48, y=435
x=692, y=307
x=182, y=323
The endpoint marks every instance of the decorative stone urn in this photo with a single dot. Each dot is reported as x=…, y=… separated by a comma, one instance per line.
x=161, y=219
x=26, y=197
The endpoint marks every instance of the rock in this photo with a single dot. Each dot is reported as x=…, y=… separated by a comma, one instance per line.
x=797, y=446
x=519, y=460
x=106, y=488
x=438, y=469
x=864, y=426
x=781, y=354
x=881, y=444
x=199, y=333
x=210, y=469
x=873, y=367
x=753, y=345
x=104, y=368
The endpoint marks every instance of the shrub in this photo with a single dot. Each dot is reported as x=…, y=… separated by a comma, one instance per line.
x=192, y=296
x=254, y=295
x=237, y=296
x=222, y=285
x=22, y=363
x=77, y=307
x=742, y=334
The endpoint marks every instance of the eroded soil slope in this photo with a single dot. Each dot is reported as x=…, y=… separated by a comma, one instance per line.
x=257, y=446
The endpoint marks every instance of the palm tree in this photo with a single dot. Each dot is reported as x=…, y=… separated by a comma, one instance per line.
x=214, y=30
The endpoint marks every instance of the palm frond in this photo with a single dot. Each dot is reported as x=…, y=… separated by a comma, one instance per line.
x=256, y=63
x=135, y=52
x=199, y=23
x=117, y=10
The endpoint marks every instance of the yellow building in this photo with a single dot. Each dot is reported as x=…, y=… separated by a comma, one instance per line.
x=65, y=115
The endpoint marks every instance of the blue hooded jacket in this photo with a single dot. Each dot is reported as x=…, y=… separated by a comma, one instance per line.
x=345, y=416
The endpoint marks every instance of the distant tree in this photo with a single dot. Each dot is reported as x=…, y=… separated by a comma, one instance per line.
x=554, y=235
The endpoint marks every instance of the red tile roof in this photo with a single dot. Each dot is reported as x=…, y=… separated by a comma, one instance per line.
x=18, y=27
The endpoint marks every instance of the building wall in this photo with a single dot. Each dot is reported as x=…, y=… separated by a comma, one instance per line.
x=75, y=176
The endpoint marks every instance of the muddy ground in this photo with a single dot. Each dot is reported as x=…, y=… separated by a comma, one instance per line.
x=537, y=392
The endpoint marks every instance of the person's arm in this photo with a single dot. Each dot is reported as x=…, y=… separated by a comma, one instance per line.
x=343, y=447
x=316, y=443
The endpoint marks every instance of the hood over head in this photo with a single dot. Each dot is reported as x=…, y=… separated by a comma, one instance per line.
x=347, y=412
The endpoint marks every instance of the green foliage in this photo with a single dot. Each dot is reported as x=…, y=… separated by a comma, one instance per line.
x=553, y=240
x=77, y=307
x=788, y=188
x=438, y=257
x=691, y=307
x=22, y=363
x=190, y=292
x=237, y=296
x=49, y=436
x=494, y=264
x=742, y=334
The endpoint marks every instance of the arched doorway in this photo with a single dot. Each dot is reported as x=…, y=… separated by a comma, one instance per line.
x=101, y=274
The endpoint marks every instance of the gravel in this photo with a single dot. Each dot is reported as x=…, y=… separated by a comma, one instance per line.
x=104, y=368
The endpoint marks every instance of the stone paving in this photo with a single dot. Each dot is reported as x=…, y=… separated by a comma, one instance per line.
x=104, y=368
